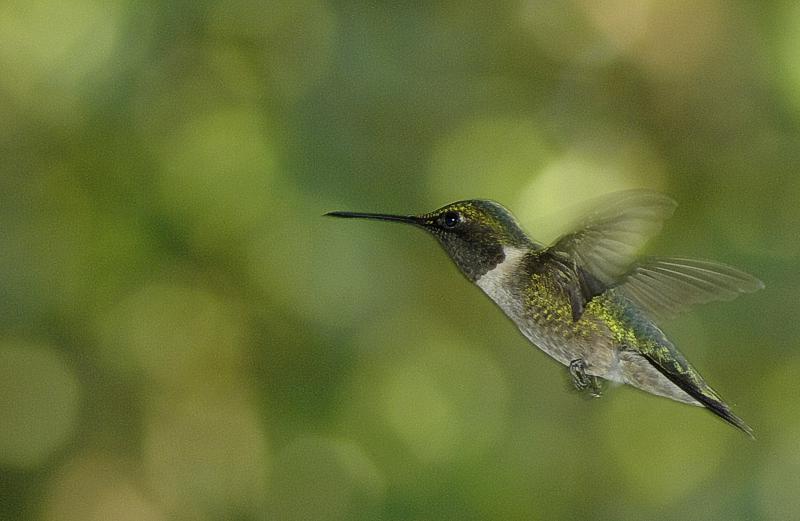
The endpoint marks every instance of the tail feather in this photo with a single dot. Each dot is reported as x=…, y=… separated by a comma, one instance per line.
x=722, y=410
x=701, y=392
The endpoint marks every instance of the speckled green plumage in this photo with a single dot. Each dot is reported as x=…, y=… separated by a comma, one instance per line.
x=610, y=328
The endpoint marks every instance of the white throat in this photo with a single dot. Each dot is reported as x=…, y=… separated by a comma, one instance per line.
x=495, y=282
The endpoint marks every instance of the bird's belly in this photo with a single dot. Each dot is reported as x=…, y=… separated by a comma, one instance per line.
x=566, y=343
x=553, y=330
x=604, y=358
x=592, y=341
x=558, y=348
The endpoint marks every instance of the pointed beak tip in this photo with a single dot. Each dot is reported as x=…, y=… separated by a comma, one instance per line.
x=342, y=214
x=373, y=216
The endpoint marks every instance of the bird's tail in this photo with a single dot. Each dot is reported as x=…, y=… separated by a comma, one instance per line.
x=714, y=403
x=671, y=363
x=703, y=393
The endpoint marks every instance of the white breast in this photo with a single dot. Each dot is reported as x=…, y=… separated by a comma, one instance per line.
x=498, y=286
x=495, y=282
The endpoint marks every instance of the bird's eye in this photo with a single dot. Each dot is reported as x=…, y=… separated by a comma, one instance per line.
x=451, y=219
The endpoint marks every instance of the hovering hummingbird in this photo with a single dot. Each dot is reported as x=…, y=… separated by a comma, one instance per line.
x=586, y=300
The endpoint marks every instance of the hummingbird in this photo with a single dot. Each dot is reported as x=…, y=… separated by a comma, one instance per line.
x=588, y=300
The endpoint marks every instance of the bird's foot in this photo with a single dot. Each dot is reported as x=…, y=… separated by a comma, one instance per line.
x=583, y=381
x=577, y=369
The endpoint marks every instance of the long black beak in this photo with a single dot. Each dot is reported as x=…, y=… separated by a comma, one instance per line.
x=409, y=219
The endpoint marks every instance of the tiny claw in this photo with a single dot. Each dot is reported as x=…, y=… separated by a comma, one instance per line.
x=583, y=381
x=577, y=369
x=596, y=389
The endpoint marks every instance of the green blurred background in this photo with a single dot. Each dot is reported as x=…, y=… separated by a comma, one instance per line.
x=185, y=337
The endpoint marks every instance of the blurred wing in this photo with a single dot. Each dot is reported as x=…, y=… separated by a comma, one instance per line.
x=608, y=239
x=667, y=286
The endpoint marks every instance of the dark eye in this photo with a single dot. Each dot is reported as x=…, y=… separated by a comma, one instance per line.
x=450, y=219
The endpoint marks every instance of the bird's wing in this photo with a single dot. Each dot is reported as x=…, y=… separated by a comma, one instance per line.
x=607, y=240
x=605, y=243
x=578, y=285
x=664, y=287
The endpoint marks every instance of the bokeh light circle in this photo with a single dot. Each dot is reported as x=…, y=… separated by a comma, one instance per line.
x=39, y=403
